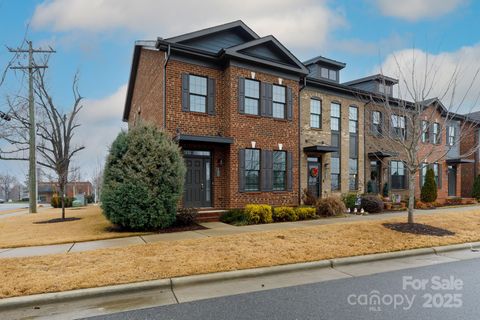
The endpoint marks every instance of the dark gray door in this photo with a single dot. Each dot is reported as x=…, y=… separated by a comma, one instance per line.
x=197, y=182
x=314, y=174
x=452, y=181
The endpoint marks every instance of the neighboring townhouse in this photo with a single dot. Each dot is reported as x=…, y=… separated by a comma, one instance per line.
x=230, y=98
x=46, y=190
x=331, y=133
x=470, y=142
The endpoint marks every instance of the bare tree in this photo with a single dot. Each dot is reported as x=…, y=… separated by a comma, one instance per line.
x=7, y=183
x=407, y=119
x=55, y=131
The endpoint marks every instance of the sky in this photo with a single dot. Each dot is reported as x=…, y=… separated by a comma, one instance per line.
x=96, y=37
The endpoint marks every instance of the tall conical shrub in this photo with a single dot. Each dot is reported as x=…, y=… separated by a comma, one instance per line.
x=143, y=179
x=429, y=189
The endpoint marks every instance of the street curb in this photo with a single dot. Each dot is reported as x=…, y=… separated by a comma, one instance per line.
x=45, y=298
x=381, y=256
x=249, y=273
x=172, y=283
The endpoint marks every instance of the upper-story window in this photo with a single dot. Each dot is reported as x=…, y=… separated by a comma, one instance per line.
x=436, y=133
x=398, y=126
x=329, y=74
x=279, y=170
x=335, y=116
x=451, y=135
x=252, y=96
x=382, y=88
x=353, y=119
x=198, y=93
x=279, y=101
x=376, y=123
x=252, y=169
x=425, y=131
x=315, y=113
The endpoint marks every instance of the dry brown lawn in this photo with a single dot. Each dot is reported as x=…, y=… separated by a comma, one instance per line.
x=24, y=276
x=22, y=231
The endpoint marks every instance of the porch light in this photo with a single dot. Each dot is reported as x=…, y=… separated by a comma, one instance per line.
x=252, y=74
x=253, y=144
x=280, y=146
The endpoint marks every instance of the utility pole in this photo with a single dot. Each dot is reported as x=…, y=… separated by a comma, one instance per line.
x=32, y=172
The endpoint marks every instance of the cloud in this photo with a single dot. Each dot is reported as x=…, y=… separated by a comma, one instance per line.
x=301, y=24
x=452, y=76
x=414, y=10
x=101, y=121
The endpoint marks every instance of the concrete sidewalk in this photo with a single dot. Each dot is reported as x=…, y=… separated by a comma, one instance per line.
x=214, y=229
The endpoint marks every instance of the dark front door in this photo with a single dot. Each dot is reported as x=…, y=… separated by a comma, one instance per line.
x=314, y=174
x=452, y=181
x=375, y=170
x=198, y=179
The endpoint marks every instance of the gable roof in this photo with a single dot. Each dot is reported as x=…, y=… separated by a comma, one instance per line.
x=325, y=61
x=267, y=50
x=379, y=77
x=216, y=38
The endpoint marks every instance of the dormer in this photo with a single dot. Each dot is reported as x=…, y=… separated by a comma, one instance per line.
x=377, y=83
x=322, y=68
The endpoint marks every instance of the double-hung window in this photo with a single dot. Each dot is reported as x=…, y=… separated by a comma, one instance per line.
x=451, y=135
x=436, y=133
x=198, y=93
x=252, y=96
x=315, y=113
x=279, y=101
x=252, y=170
x=398, y=126
x=425, y=131
x=335, y=140
x=435, y=172
x=279, y=170
x=376, y=123
x=398, y=175
x=353, y=119
x=335, y=116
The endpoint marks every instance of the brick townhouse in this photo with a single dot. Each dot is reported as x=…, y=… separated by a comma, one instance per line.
x=256, y=125
x=470, y=139
x=230, y=98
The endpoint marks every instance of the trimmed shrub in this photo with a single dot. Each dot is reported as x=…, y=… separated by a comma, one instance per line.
x=476, y=188
x=349, y=200
x=186, y=216
x=330, y=206
x=429, y=189
x=235, y=217
x=305, y=213
x=56, y=202
x=308, y=198
x=372, y=203
x=258, y=213
x=284, y=214
x=143, y=179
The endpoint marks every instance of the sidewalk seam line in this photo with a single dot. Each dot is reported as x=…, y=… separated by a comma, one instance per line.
x=143, y=239
x=173, y=292
x=71, y=247
x=348, y=274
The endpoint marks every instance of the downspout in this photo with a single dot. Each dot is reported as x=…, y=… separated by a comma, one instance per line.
x=167, y=57
x=302, y=86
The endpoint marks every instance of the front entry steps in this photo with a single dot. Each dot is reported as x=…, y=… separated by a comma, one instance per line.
x=209, y=215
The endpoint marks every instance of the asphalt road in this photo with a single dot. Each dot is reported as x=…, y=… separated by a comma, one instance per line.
x=443, y=291
x=10, y=206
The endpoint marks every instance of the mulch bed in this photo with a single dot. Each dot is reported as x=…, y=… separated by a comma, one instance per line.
x=418, y=228
x=56, y=220
x=171, y=229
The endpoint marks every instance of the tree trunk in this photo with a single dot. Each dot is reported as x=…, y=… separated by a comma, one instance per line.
x=411, y=196
x=63, y=201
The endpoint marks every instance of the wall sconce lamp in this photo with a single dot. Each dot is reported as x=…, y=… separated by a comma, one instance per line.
x=220, y=162
x=253, y=144
x=280, y=146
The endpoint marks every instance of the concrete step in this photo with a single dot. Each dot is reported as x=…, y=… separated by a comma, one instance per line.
x=209, y=215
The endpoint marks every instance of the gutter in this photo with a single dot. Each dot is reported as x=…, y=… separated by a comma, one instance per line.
x=167, y=58
x=302, y=86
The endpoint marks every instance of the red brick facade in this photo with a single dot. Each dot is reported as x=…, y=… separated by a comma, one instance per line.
x=266, y=132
